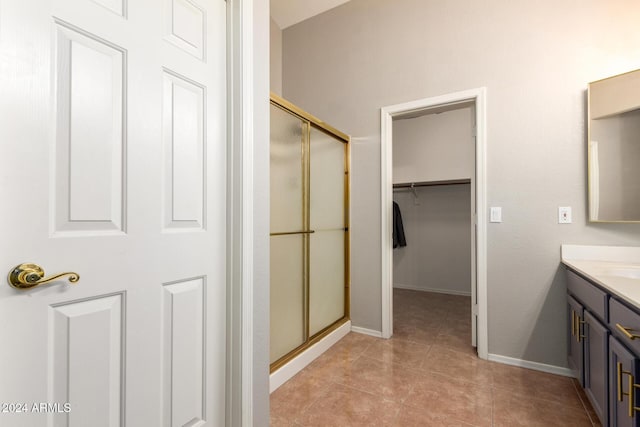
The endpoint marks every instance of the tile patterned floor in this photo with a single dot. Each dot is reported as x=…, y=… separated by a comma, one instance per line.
x=426, y=375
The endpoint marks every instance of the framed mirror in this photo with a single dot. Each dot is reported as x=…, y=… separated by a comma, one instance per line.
x=614, y=149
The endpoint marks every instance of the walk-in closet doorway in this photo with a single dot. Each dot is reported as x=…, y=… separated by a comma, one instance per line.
x=440, y=185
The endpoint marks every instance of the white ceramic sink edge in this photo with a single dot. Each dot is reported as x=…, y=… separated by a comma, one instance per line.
x=616, y=269
x=628, y=255
x=631, y=272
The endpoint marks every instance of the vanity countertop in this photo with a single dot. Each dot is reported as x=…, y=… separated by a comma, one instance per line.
x=615, y=268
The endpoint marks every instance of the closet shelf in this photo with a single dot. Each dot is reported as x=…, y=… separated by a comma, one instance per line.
x=430, y=183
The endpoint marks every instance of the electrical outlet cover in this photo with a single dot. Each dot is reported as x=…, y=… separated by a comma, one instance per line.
x=564, y=215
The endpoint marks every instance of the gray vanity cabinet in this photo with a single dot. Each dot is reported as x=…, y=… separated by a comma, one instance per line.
x=604, y=350
x=596, y=349
x=624, y=364
x=589, y=341
x=574, y=347
x=623, y=369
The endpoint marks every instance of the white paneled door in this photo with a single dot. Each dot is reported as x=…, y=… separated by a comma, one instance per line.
x=113, y=151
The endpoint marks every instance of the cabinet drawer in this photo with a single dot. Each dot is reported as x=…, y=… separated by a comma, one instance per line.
x=591, y=297
x=627, y=318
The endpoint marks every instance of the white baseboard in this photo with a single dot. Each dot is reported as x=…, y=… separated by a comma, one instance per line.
x=551, y=369
x=438, y=291
x=286, y=372
x=366, y=331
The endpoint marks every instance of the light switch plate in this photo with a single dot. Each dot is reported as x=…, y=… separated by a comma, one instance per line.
x=564, y=215
x=496, y=214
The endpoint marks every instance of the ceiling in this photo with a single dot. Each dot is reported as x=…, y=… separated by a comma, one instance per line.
x=289, y=12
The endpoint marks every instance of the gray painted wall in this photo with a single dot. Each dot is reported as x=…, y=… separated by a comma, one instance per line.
x=434, y=147
x=535, y=59
x=437, y=226
x=275, y=58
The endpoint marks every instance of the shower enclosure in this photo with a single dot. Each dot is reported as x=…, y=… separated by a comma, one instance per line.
x=309, y=230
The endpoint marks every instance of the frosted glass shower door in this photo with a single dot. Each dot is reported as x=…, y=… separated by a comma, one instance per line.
x=327, y=251
x=288, y=239
x=309, y=231
x=288, y=330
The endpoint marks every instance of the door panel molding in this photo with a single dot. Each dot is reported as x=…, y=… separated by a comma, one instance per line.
x=184, y=352
x=184, y=135
x=90, y=94
x=186, y=27
x=87, y=344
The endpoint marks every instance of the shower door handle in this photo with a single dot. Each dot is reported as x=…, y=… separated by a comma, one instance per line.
x=284, y=233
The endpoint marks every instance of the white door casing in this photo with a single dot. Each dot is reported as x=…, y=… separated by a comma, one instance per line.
x=479, y=235
x=114, y=146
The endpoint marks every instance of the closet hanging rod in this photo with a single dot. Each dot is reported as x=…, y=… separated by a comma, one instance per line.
x=432, y=183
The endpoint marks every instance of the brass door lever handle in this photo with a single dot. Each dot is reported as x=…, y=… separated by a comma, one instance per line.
x=27, y=276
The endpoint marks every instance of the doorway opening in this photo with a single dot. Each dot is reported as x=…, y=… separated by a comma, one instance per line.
x=474, y=99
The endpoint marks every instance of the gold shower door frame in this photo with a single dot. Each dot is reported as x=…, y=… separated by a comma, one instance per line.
x=310, y=122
